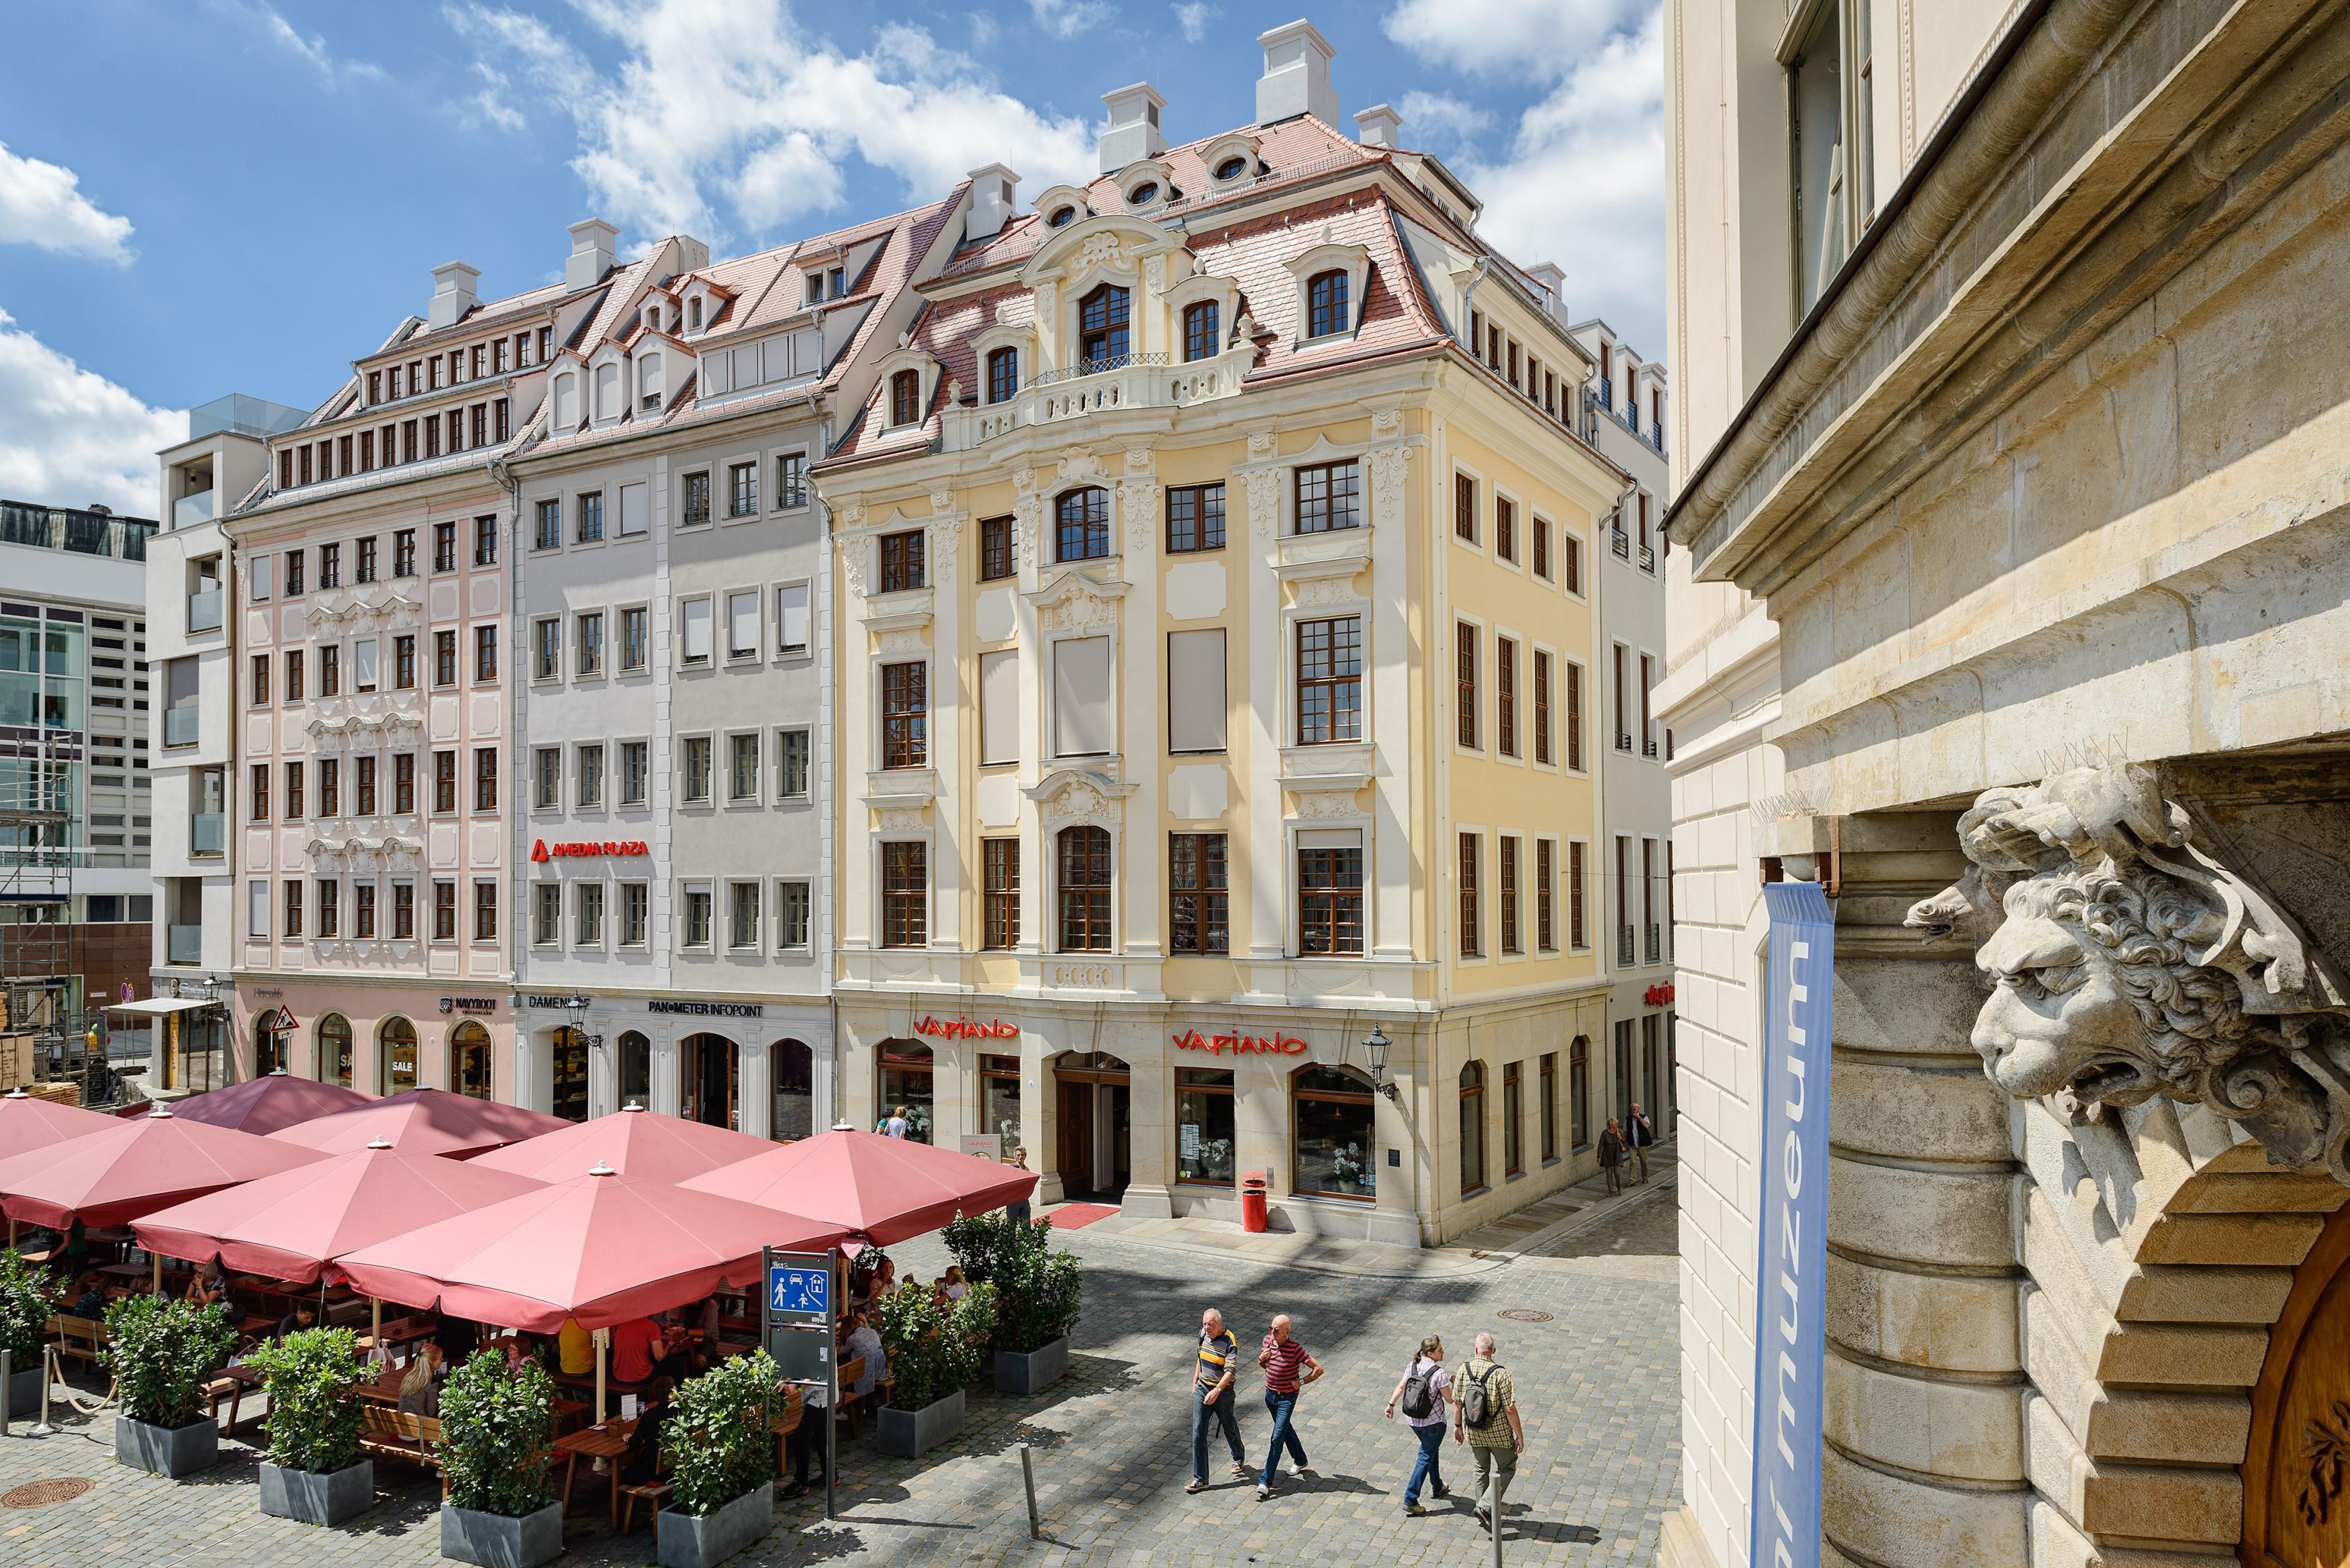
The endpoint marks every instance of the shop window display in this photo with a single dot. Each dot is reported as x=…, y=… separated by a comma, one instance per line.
x=1332, y=1135
x=1203, y=1126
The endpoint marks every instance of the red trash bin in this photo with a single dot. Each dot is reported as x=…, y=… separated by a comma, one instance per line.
x=1252, y=1188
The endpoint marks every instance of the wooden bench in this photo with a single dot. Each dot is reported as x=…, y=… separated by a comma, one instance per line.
x=83, y=1338
x=397, y=1434
x=655, y=1495
x=785, y=1425
x=850, y=1371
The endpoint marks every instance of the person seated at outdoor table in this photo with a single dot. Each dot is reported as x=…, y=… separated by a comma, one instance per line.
x=457, y=1337
x=863, y=1342
x=576, y=1348
x=805, y=1441
x=303, y=1316
x=953, y=1284
x=420, y=1384
x=641, y=1463
x=91, y=1302
x=634, y=1347
x=206, y=1287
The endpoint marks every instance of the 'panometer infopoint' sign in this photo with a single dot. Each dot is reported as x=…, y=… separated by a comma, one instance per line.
x=1790, y=1282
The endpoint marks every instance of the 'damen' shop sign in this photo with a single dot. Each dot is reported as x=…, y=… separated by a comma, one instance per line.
x=1790, y=1282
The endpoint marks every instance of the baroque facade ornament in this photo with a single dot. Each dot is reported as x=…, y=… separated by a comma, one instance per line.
x=2127, y=963
x=1027, y=522
x=1102, y=250
x=853, y=553
x=944, y=546
x=1390, y=465
x=1326, y=804
x=1081, y=467
x=1139, y=499
x=901, y=819
x=1077, y=804
x=1264, y=501
x=1079, y=611
x=1332, y=589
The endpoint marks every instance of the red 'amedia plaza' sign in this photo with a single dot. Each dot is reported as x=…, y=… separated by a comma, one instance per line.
x=964, y=1029
x=1240, y=1045
x=543, y=850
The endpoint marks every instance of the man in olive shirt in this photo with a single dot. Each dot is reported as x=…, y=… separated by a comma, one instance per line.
x=1485, y=1414
x=1213, y=1399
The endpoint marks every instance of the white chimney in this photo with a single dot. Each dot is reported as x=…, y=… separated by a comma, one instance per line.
x=692, y=254
x=1377, y=126
x=1552, y=278
x=994, y=189
x=1296, y=78
x=453, y=294
x=1133, y=131
x=591, y=253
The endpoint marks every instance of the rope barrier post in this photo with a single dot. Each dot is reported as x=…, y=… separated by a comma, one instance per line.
x=1501, y=1483
x=1028, y=1481
x=7, y=1405
x=49, y=1370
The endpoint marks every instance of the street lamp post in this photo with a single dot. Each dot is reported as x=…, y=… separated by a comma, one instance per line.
x=1375, y=1047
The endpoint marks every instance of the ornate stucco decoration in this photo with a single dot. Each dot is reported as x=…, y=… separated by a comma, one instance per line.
x=1074, y=605
x=1139, y=495
x=2127, y=963
x=1077, y=797
x=855, y=557
x=945, y=547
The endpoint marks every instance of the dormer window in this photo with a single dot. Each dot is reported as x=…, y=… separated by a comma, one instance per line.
x=567, y=403
x=815, y=287
x=1142, y=195
x=1002, y=375
x=1062, y=217
x=905, y=398
x=694, y=314
x=1232, y=167
x=652, y=318
x=1102, y=337
x=1201, y=330
x=840, y=280
x=1326, y=312
x=648, y=382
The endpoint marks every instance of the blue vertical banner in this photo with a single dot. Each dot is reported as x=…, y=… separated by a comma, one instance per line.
x=1790, y=1279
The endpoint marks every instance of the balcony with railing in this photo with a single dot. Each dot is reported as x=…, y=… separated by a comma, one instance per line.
x=1624, y=742
x=184, y=944
x=1647, y=557
x=1655, y=943
x=182, y=726
x=72, y=529
x=1620, y=543
x=1098, y=386
x=204, y=610
x=207, y=832
x=190, y=510
x=1625, y=953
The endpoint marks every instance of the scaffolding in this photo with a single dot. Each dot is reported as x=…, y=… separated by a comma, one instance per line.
x=40, y=961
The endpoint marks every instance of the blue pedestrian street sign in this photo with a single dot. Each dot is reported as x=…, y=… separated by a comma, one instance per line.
x=799, y=1286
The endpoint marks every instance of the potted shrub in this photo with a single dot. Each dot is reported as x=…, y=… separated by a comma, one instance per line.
x=495, y=1426
x=721, y=1462
x=314, y=1471
x=1037, y=1294
x=163, y=1354
x=26, y=1300
x=933, y=1351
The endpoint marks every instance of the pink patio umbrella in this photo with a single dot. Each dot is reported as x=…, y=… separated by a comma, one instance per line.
x=134, y=1168
x=634, y=1142
x=29, y=1122
x=599, y=1247
x=271, y=1103
x=291, y=1226
x=423, y=1121
x=882, y=1190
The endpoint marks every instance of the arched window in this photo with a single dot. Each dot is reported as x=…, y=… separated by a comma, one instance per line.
x=1232, y=167
x=1084, y=887
x=1002, y=374
x=568, y=1076
x=567, y=403
x=334, y=1042
x=636, y=1069
x=794, y=1065
x=905, y=1086
x=273, y=1042
x=469, y=1060
x=1142, y=195
x=706, y=1080
x=1578, y=1093
x=607, y=391
x=1473, y=1128
x=1202, y=333
x=1102, y=328
x=694, y=314
x=905, y=397
x=1081, y=520
x=1062, y=217
x=1331, y=1134
x=1325, y=304
x=395, y=1057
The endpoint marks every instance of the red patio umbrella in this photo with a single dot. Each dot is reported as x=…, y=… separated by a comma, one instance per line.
x=634, y=1142
x=600, y=1248
x=423, y=1121
x=883, y=1190
x=30, y=1122
x=271, y=1103
x=134, y=1168
x=289, y=1226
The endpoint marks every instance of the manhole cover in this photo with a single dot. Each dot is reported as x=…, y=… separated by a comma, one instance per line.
x=1523, y=1314
x=42, y=1494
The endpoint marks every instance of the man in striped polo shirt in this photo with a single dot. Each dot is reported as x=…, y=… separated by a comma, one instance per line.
x=1288, y=1367
x=1214, y=1398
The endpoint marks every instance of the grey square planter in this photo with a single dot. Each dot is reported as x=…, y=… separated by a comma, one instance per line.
x=701, y=1540
x=1031, y=1371
x=499, y=1539
x=909, y=1433
x=25, y=1390
x=314, y=1496
x=170, y=1451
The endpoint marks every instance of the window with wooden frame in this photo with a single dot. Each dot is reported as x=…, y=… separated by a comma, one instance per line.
x=743, y=490
x=1327, y=310
x=997, y=557
x=1514, y=1135
x=1329, y=680
x=330, y=787
x=1505, y=876
x=905, y=714
x=1464, y=683
x=1081, y=525
x=905, y=893
x=1546, y=1114
x=1575, y=716
x=1329, y=895
x=1570, y=552
x=363, y=786
x=1002, y=375
x=1506, y=695
x=902, y=561
x=1538, y=545
x=1000, y=893
x=1473, y=939
x=1464, y=508
x=1506, y=529
x=1578, y=1092
x=1198, y=894
x=403, y=782
x=695, y=500
x=1542, y=706
x=1472, y=1127
x=1195, y=517
x=260, y=698
x=485, y=778
x=1102, y=328
x=1082, y=887
x=1546, y=897
x=905, y=398
x=1201, y=330
x=444, y=782
x=1329, y=497
x=1578, y=930
x=296, y=773
x=257, y=797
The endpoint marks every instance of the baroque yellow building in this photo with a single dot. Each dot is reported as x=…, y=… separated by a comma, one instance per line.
x=1214, y=636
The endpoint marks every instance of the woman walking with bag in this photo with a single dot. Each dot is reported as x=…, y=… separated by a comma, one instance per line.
x=1422, y=1392
x=1611, y=1155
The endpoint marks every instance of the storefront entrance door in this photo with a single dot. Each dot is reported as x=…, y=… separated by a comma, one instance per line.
x=1076, y=1161
x=1095, y=1141
x=707, y=1080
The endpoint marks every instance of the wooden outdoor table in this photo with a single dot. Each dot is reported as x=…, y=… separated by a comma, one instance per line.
x=397, y=1334
x=238, y=1379
x=384, y=1390
x=609, y=1443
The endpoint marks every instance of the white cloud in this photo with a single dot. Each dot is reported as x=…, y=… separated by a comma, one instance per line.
x=312, y=51
x=1581, y=181
x=1193, y=18
x=70, y=436
x=724, y=108
x=1068, y=18
x=42, y=204
x=1434, y=119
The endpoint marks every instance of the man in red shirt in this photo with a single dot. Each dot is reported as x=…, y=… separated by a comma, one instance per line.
x=634, y=1346
x=1288, y=1367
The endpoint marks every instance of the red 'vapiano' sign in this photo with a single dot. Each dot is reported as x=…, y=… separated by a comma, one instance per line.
x=1241, y=1045
x=579, y=848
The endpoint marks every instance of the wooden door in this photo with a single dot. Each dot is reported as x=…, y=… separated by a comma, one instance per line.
x=1076, y=1137
x=2296, y=1467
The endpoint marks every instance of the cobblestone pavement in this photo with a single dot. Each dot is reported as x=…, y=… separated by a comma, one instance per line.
x=1597, y=1378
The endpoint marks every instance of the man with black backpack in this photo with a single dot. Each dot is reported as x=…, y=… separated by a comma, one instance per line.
x=1485, y=1414
x=1421, y=1393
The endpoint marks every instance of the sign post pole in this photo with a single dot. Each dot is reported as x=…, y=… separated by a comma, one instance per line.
x=832, y=1390
x=796, y=1319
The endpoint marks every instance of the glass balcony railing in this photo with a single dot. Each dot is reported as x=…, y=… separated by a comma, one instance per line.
x=184, y=944
x=204, y=610
x=207, y=832
x=179, y=726
x=189, y=510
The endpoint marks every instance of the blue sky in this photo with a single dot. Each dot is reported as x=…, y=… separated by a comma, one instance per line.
x=205, y=196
